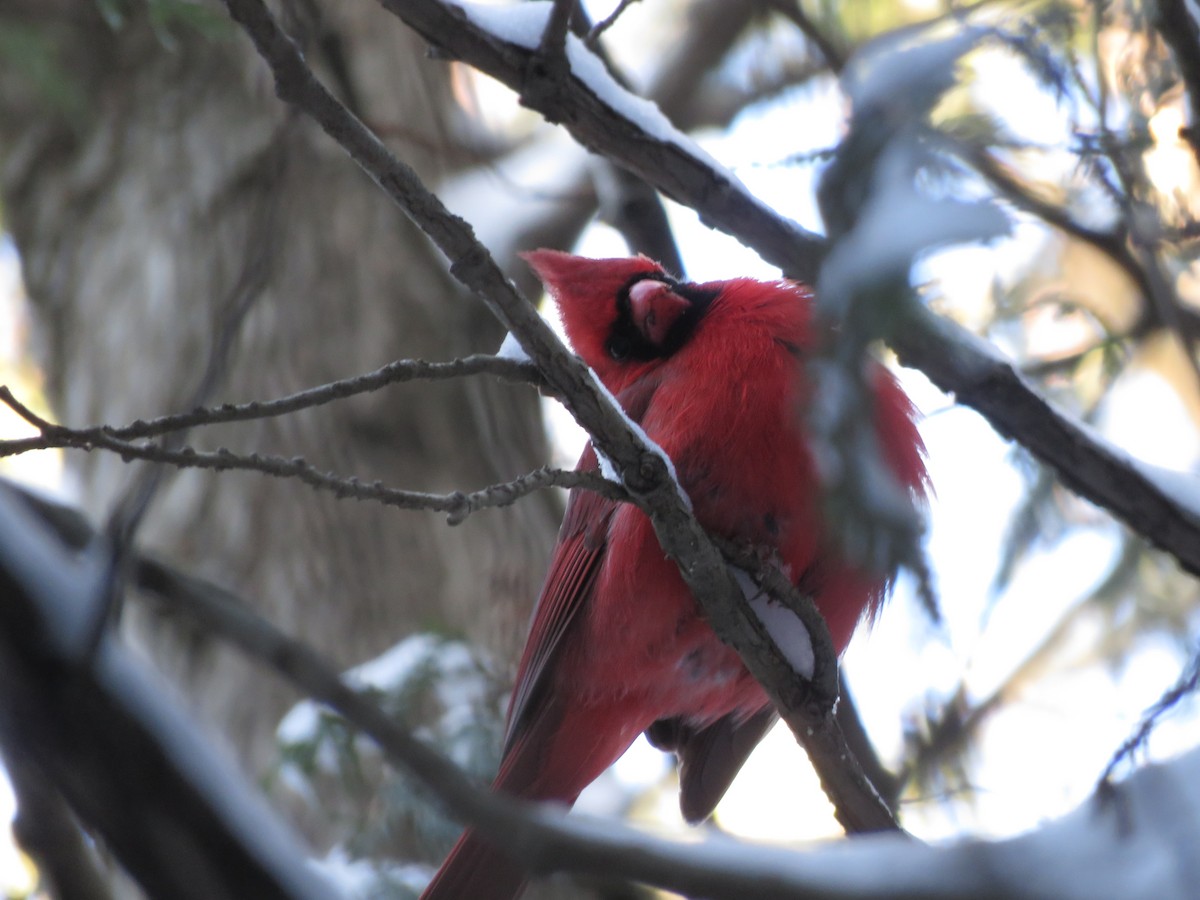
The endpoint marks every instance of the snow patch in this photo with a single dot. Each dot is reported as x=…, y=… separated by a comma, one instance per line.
x=524, y=23
x=393, y=668
x=512, y=349
x=784, y=626
x=518, y=23
x=299, y=724
x=607, y=470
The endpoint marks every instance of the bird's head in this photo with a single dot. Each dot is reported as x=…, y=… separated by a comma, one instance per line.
x=619, y=314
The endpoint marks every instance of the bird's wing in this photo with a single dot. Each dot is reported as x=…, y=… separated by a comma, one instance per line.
x=569, y=584
x=582, y=541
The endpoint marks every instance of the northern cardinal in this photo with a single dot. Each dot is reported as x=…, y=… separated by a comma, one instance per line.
x=713, y=374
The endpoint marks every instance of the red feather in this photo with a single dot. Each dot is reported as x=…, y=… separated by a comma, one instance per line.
x=618, y=646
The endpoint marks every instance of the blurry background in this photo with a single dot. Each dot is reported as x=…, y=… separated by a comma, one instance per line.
x=164, y=215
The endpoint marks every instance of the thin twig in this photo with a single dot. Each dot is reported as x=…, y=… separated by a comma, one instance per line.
x=593, y=36
x=457, y=505
x=393, y=373
x=134, y=503
x=554, y=36
x=1112, y=244
x=1188, y=683
x=10, y=400
x=833, y=55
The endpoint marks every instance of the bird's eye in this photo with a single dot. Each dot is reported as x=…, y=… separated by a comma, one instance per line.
x=618, y=347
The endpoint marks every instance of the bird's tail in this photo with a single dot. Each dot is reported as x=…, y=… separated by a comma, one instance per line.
x=475, y=870
x=555, y=756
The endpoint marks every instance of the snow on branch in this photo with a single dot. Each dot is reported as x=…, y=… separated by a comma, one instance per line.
x=608, y=120
x=955, y=360
x=643, y=469
x=1132, y=839
x=94, y=724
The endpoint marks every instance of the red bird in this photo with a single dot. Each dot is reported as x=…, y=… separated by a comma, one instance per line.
x=618, y=646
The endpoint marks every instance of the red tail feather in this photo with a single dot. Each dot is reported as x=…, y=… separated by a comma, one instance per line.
x=475, y=870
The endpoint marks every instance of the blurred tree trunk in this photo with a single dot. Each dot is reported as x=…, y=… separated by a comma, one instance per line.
x=157, y=189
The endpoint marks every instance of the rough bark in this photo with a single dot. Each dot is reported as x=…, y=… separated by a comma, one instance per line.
x=177, y=190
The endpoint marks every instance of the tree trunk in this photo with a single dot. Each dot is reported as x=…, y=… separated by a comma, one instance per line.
x=170, y=200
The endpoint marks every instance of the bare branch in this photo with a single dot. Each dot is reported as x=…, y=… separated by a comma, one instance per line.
x=96, y=727
x=593, y=36
x=1084, y=462
x=683, y=89
x=1112, y=244
x=1162, y=297
x=393, y=373
x=1188, y=683
x=554, y=37
x=1127, y=846
x=457, y=505
x=46, y=830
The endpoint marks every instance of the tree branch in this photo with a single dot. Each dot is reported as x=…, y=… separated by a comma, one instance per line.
x=672, y=167
x=457, y=505
x=1087, y=464
x=594, y=34
x=393, y=373
x=1187, y=683
x=95, y=726
x=46, y=830
x=1113, y=244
